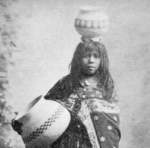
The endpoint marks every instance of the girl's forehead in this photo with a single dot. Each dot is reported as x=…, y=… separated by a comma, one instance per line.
x=91, y=51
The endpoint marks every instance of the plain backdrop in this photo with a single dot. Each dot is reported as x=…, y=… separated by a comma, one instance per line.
x=45, y=42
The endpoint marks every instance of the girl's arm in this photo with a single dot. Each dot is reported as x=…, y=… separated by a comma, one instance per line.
x=59, y=91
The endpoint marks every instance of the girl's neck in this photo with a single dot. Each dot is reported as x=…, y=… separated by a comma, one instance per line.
x=91, y=80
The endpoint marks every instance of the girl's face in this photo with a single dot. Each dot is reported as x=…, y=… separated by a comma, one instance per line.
x=90, y=62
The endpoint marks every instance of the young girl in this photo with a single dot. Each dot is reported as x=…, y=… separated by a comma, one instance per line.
x=88, y=93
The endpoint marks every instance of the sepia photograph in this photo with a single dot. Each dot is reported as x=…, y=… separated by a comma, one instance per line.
x=74, y=74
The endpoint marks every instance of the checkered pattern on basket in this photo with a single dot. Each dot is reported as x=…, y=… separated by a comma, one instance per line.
x=43, y=127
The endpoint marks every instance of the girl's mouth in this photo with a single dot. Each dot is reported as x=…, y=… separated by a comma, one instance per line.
x=90, y=67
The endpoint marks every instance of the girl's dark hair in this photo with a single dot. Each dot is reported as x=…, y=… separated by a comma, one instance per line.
x=103, y=74
x=63, y=88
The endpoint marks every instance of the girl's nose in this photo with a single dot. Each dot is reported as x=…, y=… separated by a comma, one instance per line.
x=91, y=59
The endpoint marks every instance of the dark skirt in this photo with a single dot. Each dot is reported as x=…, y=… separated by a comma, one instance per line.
x=74, y=137
x=107, y=130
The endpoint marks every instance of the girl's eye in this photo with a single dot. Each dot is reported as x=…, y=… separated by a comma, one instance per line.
x=96, y=56
x=86, y=56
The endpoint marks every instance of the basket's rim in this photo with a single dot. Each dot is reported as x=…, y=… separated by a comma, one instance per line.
x=90, y=8
x=28, y=108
